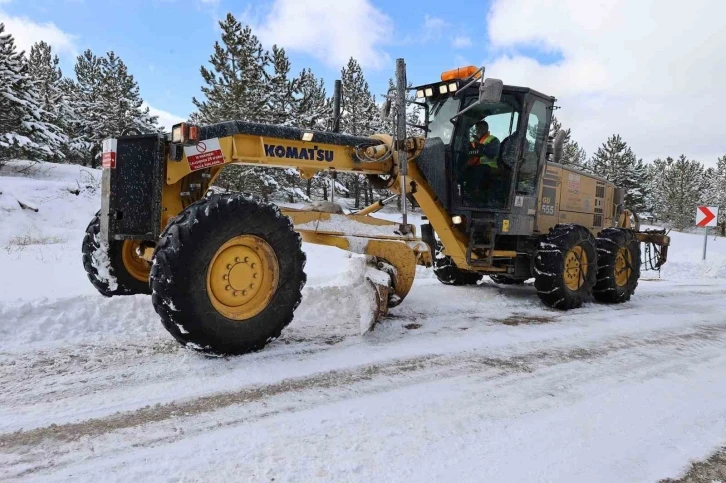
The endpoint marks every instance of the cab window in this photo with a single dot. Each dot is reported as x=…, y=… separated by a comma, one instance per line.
x=535, y=141
x=488, y=186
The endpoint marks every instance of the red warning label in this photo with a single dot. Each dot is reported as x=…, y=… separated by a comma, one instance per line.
x=205, y=154
x=108, y=158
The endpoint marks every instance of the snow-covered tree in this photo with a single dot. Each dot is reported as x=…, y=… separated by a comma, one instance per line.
x=24, y=127
x=106, y=101
x=54, y=104
x=717, y=189
x=572, y=153
x=414, y=113
x=236, y=85
x=122, y=99
x=281, y=105
x=679, y=190
x=314, y=108
x=616, y=162
x=360, y=115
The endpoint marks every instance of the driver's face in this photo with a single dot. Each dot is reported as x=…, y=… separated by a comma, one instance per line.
x=480, y=131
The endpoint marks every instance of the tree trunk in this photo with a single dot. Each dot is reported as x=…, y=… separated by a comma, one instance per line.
x=365, y=190
x=309, y=186
x=292, y=180
x=94, y=152
x=356, y=190
x=325, y=189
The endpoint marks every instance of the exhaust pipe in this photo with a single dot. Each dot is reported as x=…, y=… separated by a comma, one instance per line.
x=559, y=145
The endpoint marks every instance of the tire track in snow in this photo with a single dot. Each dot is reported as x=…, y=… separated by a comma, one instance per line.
x=383, y=377
x=33, y=377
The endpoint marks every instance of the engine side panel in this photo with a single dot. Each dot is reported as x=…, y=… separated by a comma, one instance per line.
x=568, y=195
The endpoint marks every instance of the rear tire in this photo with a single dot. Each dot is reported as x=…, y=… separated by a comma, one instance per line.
x=106, y=265
x=565, y=267
x=228, y=274
x=448, y=273
x=618, y=265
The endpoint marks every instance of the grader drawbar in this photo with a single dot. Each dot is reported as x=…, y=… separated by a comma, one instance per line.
x=226, y=270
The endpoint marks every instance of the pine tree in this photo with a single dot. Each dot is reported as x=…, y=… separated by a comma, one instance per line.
x=44, y=70
x=572, y=153
x=281, y=106
x=679, y=190
x=85, y=99
x=314, y=108
x=106, y=101
x=360, y=115
x=23, y=130
x=122, y=99
x=616, y=162
x=414, y=112
x=709, y=195
x=719, y=188
x=236, y=85
x=654, y=193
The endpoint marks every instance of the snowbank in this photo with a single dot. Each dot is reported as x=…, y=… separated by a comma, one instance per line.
x=685, y=257
x=66, y=197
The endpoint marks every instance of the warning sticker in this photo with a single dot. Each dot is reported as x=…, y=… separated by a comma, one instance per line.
x=204, y=154
x=573, y=183
x=108, y=158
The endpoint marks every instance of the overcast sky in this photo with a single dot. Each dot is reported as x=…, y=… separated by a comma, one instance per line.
x=651, y=71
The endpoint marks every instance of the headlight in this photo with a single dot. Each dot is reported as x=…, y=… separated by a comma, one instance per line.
x=176, y=134
x=429, y=91
x=456, y=220
x=453, y=87
x=443, y=89
x=420, y=94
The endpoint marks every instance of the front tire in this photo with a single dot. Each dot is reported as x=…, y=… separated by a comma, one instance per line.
x=228, y=275
x=448, y=273
x=618, y=265
x=566, y=267
x=115, y=268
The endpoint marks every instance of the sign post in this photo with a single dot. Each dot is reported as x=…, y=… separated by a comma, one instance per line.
x=706, y=216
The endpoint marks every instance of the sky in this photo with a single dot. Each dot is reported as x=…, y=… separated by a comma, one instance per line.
x=651, y=71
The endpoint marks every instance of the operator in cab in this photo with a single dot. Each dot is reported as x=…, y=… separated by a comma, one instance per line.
x=483, y=154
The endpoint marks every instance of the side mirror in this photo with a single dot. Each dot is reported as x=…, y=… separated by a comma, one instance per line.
x=490, y=91
x=386, y=109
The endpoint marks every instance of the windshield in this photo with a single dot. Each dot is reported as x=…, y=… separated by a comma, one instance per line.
x=440, y=113
x=486, y=149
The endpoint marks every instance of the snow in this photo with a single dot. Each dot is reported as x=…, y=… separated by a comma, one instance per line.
x=478, y=383
x=343, y=224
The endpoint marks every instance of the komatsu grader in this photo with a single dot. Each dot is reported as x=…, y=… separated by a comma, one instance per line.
x=226, y=271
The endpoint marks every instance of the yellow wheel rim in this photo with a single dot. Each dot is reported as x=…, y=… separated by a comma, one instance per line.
x=242, y=277
x=575, y=272
x=623, y=267
x=133, y=263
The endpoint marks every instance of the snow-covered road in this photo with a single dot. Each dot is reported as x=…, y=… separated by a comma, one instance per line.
x=460, y=384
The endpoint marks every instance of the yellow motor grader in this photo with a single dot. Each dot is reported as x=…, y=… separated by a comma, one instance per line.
x=226, y=271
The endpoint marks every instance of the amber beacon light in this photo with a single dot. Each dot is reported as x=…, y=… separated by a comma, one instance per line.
x=459, y=73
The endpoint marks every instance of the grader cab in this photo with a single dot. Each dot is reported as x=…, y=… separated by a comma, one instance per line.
x=226, y=271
